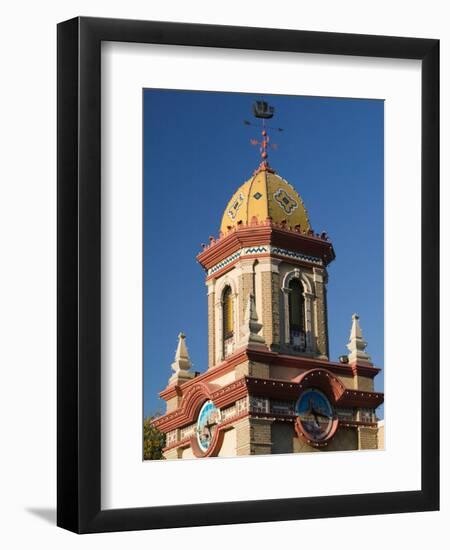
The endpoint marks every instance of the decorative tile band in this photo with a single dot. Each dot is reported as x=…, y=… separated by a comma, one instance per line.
x=255, y=250
x=295, y=255
x=225, y=262
x=244, y=252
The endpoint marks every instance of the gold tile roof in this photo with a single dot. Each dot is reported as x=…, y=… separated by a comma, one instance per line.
x=264, y=195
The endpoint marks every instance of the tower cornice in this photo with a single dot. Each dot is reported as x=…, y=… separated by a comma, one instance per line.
x=320, y=377
x=266, y=233
x=261, y=355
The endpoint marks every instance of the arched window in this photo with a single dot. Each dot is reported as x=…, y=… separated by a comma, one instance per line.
x=228, y=324
x=297, y=315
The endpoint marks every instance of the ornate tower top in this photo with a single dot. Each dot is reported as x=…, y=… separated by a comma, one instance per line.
x=265, y=194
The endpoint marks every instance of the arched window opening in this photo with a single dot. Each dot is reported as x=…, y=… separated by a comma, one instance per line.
x=297, y=315
x=228, y=324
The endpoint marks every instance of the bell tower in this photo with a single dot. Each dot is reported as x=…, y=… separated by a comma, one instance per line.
x=267, y=248
x=269, y=386
x=283, y=267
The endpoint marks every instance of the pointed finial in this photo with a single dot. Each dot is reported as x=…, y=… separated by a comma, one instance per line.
x=182, y=363
x=357, y=344
x=251, y=328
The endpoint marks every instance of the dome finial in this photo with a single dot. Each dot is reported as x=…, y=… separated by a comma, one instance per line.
x=263, y=111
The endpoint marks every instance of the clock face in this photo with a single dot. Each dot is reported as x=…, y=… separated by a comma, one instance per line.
x=208, y=420
x=315, y=414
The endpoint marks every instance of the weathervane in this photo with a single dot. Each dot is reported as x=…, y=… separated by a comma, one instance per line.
x=263, y=111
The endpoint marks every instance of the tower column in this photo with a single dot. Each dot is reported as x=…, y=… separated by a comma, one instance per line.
x=245, y=275
x=320, y=280
x=367, y=438
x=211, y=324
x=270, y=300
x=260, y=436
x=253, y=436
x=310, y=330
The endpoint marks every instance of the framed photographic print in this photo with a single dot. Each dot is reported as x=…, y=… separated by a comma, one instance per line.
x=248, y=304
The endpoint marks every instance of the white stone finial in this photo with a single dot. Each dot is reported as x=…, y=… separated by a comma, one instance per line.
x=251, y=328
x=182, y=363
x=357, y=344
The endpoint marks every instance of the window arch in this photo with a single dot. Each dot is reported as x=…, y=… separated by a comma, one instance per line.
x=297, y=335
x=227, y=321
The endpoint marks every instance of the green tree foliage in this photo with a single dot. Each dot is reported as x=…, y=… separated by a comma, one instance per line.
x=154, y=440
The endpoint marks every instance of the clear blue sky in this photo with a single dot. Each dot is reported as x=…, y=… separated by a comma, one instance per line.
x=197, y=152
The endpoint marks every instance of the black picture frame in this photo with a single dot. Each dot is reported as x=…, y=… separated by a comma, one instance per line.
x=79, y=275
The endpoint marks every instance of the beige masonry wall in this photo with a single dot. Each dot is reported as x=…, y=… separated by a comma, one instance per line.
x=381, y=434
x=346, y=439
x=173, y=454
x=363, y=383
x=229, y=444
x=243, y=437
x=268, y=300
x=260, y=436
x=226, y=378
x=245, y=275
x=265, y=278
x=252, y=368
x=283, y=437
x=253, y=436
x=367, y=438
x=173, y=404
x=187, y=453
x=275, y=280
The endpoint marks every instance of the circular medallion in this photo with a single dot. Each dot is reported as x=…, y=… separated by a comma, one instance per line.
x=208, y=420
x=315, y=415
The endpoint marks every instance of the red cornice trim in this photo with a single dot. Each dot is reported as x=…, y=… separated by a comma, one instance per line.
x=298, y=361
x=358, y=398
x=360, y=369
x=194, y=398
x=230, y=393
x=266, y=233
x=324, y=380
x=225, y=367
x=339, y=395
x=320, y=378
x=332, y=386
x=262, y=355
x=170, y=391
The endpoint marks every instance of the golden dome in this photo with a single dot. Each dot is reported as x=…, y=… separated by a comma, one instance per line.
x=264, y=195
